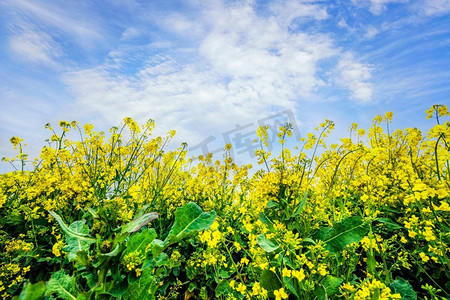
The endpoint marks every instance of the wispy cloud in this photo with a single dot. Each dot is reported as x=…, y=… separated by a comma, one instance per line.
x=244, y=65
x=371, y=32
x=377, y=6
x=355, y=76
x=36, y=46
x=435, y=7
x=68, y=19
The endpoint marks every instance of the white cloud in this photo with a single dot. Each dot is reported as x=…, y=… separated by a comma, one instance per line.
x=355, y=76
x=78, y=24
x=288, y=11
x=371, y=32
x=180, y=24
x=245, y=66
x=130, y=34
x=35, y=46
x=435, y=7
x=377, y=6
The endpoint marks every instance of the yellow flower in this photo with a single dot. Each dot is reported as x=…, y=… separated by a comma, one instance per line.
x=424, y=257
x=286, y=273
x=389, y=115
x=15, y=140
x=280, y=294
x=348, y=287
x=244, y=261
x=56, y=249
x=300, y=275
x=238, y=246
x=322, y=269
x=257, y=290
x=241, y=288
x=232, y=283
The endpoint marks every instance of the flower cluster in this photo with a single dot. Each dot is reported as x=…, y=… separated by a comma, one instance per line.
x=352, y=220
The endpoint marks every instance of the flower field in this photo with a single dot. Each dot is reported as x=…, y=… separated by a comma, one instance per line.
x=116, y=215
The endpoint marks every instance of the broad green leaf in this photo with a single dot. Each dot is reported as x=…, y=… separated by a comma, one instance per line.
x=82, y=258
x=328, y=287
x=63, y=285
x=161, y=260
x=269, y=281
x=189, y=220
x=75, y=244
x=33, y=291
x=118, y=290
x=343, y=233
x=289, y=283
x=139, y=222
x=404, y=288
x=223, y=274
x=143, y=288
x=265, y=219
x=267, y=245
x=89, y=277
x=157, y=247
x=332, y=284
x=70, y=232
x=140, y=240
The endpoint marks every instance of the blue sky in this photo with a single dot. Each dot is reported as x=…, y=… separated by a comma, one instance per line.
x=203, y=67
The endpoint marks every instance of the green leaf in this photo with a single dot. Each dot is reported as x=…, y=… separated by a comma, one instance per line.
x=343, y=233
x=371, y=262
x=404, y=288
x=328, y=287
x=143, y=288
x=70, y=232
x=119, y=289
x=139, y=241
x=139, y=222
x=89, y=277
x=267, y=245
x=189, y=220
x=63, y=285
x=33, y=291
x=332, y=284
x=265, y=219
x=301, y=205
x=309, y=240
x=389, y=223
x=161, y=260
x=92, y=212
x=75, y=244
x=82, y=258
x=272, y=204
x=157, y=247
x=289, y=283
x=269, y=281
x=223, y=288
x=223, y=274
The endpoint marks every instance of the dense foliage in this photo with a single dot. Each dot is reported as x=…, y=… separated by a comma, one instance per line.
x=118, y=216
